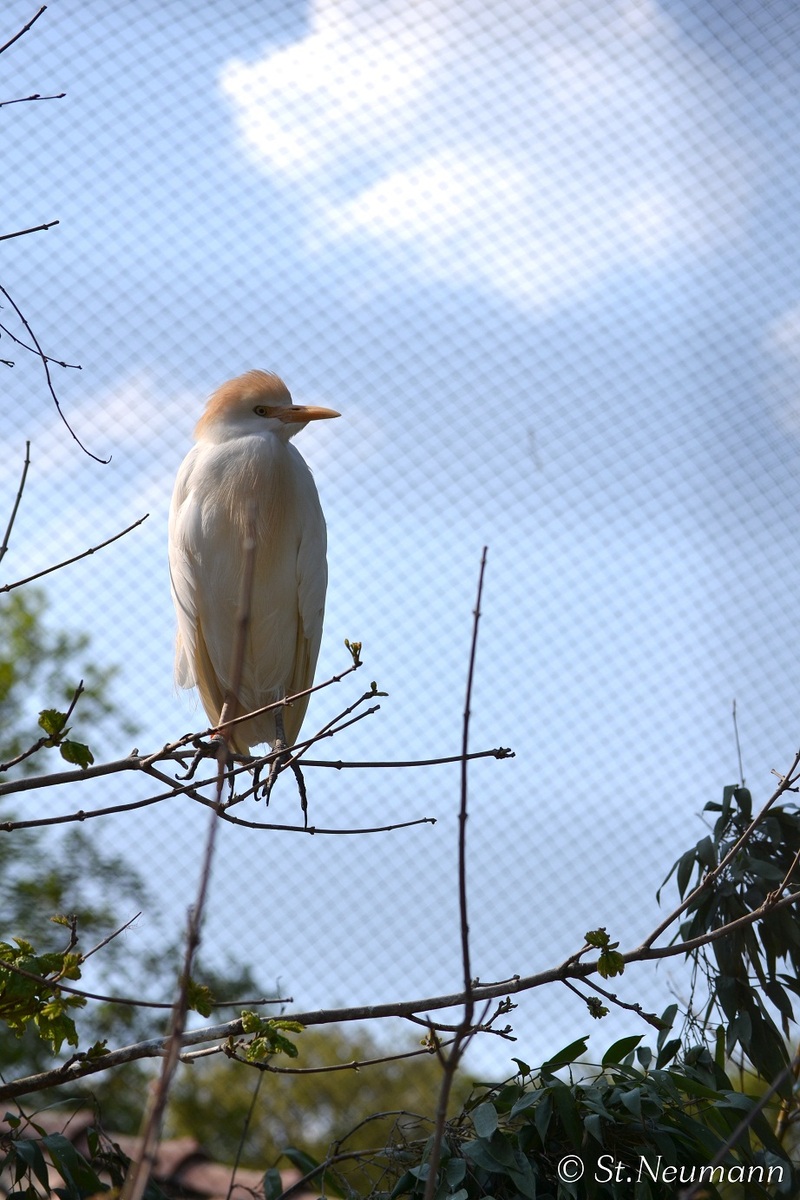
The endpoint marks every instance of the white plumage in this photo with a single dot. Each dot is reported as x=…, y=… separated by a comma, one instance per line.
x=243, y=469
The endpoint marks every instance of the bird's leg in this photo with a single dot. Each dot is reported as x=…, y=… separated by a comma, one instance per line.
x=217, y=746
x=301, y=787
x=280, y=759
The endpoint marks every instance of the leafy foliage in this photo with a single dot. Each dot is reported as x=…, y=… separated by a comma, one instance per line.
x=36, y=662
x=30, y=995
x=54, y=724
x=609, y=961
x=23, y=1160
x=268, y=1038
x=752, y=973
x=642, y=1116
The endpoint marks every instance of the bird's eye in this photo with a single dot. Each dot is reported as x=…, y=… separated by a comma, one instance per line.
x=261, y=411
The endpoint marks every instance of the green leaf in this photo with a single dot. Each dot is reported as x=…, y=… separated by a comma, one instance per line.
x=97, y=1050
x=593, y=1123
x=596, y=1008
x=298, y=1158
x=617, y=1052
x=484, y=1118
x=567, y=1109
x=564, y=1057
x=633, y=1101
x=273, y=1184
x=685, y=867
x=610, y=963
x=706, y=854
x=52, y=721
x=455, y=1171
x=29, y=1152
x=667, y=1052
x=405, y=1184
x=200, y=998
x=76, y=1172
x=77, y=753
x=252, y=1022
x=282, y=1045
x=526, y=1101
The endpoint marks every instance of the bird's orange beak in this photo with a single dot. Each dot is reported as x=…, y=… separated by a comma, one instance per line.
x=298, y=414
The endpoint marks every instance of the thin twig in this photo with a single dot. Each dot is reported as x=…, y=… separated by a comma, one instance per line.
x=140, y=1171
x=20, y=490
x=329, y=1068
x=465, y=1028
x=188, y=738
x=9, y=587
x=58, y=362
x=135, y=762
x=55, y=985
x=339, y=765
x=24, y=100
x=651, y=1018
x=46, y=739
x=738, y=744
x=4, y=237
x=243, y=1136
x=111, y=937
x=24, y=29
x=45, y=364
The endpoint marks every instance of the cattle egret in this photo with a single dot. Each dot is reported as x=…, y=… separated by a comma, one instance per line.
x=244, y=478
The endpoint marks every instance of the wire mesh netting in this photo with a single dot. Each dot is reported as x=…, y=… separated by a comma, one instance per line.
x=543, y=257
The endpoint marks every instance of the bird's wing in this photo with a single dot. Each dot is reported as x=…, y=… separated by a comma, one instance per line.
x=312, y=582
x=181, y=573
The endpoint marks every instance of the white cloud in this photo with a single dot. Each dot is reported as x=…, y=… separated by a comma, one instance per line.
x=531, y=153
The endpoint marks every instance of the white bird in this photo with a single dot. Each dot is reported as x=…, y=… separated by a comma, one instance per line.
x=244, y=476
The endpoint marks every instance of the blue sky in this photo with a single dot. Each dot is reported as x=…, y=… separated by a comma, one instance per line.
x=544, y=261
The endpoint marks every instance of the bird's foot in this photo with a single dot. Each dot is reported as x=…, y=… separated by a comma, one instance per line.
x=277, y=763
x=216, y=747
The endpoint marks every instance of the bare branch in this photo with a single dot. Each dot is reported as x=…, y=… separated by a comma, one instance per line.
x=24, y=29
x=139, y=1172
x=24, y=100
x=45, y=364
x=189, y=738
x=651, y=1018
x=339, y=765
x=4, y=237
x=465, y=1029
x=329, y=1068
x=32, y=349
x=9, y=587
x=111, y=937
x=20, y=490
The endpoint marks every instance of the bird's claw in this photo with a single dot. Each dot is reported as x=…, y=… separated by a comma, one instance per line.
x=216, y=747
x=278, y=764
